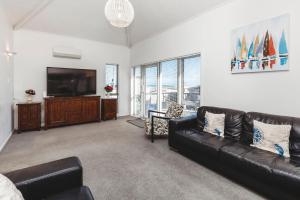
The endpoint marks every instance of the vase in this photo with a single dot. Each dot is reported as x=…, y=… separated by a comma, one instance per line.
x=107, y=95
x=29, y=98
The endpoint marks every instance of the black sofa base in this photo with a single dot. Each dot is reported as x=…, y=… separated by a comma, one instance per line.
x=80, y=193
x=264, y=189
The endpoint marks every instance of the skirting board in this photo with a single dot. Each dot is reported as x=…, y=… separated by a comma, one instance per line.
x=5, y=141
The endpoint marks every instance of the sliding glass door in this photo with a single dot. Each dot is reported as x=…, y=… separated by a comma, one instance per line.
x=151, y=88
x=168, y=83
x=156, y=85
x=137, y=92
x=191, y=83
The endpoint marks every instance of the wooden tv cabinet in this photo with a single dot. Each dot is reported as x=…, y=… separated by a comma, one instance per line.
x=62, y=111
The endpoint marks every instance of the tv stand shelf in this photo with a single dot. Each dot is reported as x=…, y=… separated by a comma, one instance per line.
x=62, y=111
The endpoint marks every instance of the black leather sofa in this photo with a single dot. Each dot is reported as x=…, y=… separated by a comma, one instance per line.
x=272, y=176
x=57, y=180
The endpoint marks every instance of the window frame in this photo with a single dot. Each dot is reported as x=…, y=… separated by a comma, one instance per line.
x=180, y=80
x=133, y=92
x=117, y=69
x=143, y=91
x=160, y=78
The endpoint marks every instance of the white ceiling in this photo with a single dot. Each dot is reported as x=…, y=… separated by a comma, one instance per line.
x=85, y=18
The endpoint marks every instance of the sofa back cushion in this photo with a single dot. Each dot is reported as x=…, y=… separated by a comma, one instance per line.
x=294, y=143
x=233, y=120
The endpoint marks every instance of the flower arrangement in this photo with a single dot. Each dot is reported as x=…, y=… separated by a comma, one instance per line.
x=29, y=93
x=108, y=88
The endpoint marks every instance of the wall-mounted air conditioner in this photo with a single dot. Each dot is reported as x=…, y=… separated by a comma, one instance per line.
x=67, y=52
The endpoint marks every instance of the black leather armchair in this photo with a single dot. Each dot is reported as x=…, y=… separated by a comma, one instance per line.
x=57, y=180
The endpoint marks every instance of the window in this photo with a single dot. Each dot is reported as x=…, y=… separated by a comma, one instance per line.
x=137, y=96
x=168, y=83
x=151, y=93
x=191, y=83
x=111, y=77
x=156, y=85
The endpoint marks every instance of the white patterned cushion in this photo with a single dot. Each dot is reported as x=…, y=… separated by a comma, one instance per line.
x=174, y=110
x=214, y=123
x=273, y=138
x=8, y=190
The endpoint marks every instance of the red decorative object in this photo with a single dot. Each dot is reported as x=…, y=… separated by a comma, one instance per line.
x=108, y=88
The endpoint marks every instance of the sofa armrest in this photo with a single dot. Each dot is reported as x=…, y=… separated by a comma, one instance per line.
x=181, y=123
x=154, y=111
x=43, y=180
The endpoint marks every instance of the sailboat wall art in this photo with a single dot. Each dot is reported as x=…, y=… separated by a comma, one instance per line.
x=261, y=47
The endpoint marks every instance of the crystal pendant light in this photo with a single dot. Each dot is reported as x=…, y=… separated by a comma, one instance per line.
x=120, y=13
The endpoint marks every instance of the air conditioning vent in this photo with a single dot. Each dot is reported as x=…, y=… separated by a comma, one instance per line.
x=66, y=52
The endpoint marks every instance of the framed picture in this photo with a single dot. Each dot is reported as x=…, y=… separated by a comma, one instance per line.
x=261, y=47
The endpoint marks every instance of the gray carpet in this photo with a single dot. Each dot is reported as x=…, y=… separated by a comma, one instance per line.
x=120, y=163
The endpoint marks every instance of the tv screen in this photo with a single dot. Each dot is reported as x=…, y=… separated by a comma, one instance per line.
x=70, y=82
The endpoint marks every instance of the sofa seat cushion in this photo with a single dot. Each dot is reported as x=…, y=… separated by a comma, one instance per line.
x=202, y=142
x=190, y=137
x=233, y=153
x=213, y=145
x=79, y=193
x=286, y=174
x=258, y=163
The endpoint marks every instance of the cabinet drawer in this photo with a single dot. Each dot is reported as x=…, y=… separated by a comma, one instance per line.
x=109, y=116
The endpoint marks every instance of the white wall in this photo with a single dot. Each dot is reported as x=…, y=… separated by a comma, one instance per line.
x=6, y=79
x=35, y=54
x=209, y=33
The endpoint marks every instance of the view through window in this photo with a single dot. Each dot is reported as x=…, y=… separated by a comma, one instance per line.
x=169, y=83
x=158, y=84
x=111, y=77
x=191, y=83
x=137, y=96
x=151, y=88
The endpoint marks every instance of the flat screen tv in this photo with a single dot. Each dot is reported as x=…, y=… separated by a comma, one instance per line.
x=70, y=82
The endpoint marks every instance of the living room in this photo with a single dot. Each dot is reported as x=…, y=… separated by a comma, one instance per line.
x=171, y=106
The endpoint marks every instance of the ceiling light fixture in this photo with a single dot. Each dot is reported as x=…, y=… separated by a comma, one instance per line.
x=120, y=13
